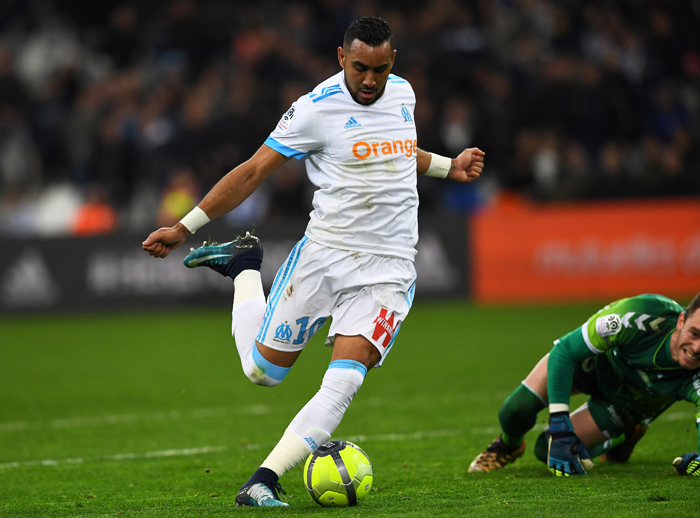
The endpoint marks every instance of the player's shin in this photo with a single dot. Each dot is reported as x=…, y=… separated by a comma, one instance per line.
x=315, y=423
x=248, y=311
x=519, y=414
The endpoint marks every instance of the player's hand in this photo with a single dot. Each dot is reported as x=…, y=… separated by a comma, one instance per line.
x=164, y=240
x=567, y=454
x=468, y=166
x=688, y=464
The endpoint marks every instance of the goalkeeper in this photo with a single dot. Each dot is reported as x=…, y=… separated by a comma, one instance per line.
x=635, y=358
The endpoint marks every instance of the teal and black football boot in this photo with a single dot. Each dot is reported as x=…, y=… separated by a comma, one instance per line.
x=228, y=259
x=260, y=495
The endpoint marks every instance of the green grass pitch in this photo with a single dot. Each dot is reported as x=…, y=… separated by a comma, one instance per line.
x=150, y=415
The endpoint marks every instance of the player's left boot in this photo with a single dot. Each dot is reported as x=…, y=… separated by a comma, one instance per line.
x=228, y=259
x=261, y=490
x=622, y=452
x=496, y=456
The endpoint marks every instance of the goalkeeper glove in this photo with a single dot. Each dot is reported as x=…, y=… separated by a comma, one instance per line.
x=567, y=454
x=688, y=464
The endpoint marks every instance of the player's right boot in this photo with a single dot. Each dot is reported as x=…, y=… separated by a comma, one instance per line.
x=622, y=452
x=260, y=495
x=496, y=456
x=228, y=259
x=261, y=490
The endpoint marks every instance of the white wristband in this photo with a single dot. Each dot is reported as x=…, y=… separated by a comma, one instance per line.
x=558, y=407
x=439, y=166
x=195, y=220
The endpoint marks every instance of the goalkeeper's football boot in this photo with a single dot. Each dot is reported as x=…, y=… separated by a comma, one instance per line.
x=496, y=456
x=623, y=451
x=261, y=495
x=228, y=259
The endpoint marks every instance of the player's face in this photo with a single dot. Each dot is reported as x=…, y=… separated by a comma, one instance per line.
x=366, y=69
x=686, y=348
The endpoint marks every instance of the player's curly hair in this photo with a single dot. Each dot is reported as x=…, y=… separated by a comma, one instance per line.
x=371, y=30
x=693, y=306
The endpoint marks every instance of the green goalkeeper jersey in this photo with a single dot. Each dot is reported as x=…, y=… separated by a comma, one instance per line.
x=631, y=338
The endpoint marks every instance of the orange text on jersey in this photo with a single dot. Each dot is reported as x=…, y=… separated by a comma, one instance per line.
x=364, y=150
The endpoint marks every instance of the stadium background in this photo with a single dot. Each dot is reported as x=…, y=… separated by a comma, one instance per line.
x=116, y=117
x=119, y=382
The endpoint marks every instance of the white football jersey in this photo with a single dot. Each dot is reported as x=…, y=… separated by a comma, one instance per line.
x=363, y=161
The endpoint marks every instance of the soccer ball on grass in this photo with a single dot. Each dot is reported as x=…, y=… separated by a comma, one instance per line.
x=338, y=474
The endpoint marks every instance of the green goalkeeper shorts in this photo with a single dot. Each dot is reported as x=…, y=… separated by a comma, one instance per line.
x=613, y=414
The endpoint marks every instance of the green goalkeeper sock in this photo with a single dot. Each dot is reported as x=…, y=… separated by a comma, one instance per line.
x=519, y=414
x=596, y=451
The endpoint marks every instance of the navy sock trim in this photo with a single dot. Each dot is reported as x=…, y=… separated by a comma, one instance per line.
x=264, y=475
x=248, y=260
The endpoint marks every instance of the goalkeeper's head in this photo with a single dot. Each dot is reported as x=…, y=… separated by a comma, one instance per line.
x=685, y=341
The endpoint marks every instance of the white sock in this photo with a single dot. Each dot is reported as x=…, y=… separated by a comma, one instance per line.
x=248, y=311
x=315, y=423
x=247, y=314
x=289, y=452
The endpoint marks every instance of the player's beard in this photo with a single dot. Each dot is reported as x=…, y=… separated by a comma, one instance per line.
x=358, y=99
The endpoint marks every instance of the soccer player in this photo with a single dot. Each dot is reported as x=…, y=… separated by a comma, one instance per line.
x=356, y=133
x=635, y=358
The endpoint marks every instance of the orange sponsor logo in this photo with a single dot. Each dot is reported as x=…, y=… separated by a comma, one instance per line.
x=363, y=150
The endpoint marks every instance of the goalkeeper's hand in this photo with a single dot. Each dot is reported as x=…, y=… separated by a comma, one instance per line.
x=688, y=464
x=567, y=454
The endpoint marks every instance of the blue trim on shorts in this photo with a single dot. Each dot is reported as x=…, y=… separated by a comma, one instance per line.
x=273, y=371
x=348, y=364
x=278, y=286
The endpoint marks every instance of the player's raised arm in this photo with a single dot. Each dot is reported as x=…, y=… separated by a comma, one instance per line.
x=225, y=196
x=467, y=167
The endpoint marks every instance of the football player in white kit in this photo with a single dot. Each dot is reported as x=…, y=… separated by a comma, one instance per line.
x=357, y=136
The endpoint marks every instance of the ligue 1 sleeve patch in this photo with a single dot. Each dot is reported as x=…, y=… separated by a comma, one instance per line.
x=285, y=121
x=608, y=325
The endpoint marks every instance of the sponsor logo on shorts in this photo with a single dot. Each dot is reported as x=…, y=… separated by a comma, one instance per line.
x=608, y=325
x=384, y=326
x=364, y=150
x=283, y=333
x=615, y=417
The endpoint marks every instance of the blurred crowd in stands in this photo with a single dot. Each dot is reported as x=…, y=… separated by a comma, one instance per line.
x=123, y=114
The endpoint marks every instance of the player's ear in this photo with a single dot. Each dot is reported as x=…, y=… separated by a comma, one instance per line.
x=341, y=57
x=681, y=321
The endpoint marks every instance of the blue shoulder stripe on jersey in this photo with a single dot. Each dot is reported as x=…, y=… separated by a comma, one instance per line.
x=326, y=92
x=396, y=79
x=284, y=150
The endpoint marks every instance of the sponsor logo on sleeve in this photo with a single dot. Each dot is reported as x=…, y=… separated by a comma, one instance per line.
x=608, y=325
x=285, y=121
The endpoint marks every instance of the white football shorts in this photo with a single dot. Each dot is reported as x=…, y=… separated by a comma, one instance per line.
x=364, y=294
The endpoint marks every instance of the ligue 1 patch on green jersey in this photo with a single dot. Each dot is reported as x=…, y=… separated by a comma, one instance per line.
x=608, y=325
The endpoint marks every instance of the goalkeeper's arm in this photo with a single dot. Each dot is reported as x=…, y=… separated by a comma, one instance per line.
x=567, y=454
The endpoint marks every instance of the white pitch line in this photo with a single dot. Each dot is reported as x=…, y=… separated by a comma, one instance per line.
x=415, y=436
x=174, y=415
x=117, y=457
